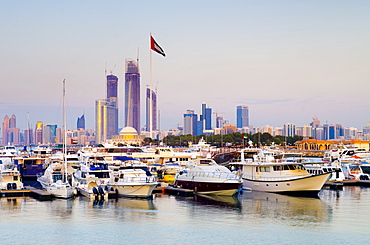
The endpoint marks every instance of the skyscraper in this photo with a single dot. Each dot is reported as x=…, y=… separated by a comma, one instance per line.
x=242, y=116
x=106, y=112
x=5, y=129
x=39, y=133
x=190, y=122
x=81, y=122
x=154, y=110
x=132, y=95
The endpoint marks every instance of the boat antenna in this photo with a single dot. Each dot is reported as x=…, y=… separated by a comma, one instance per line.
x=64, y=130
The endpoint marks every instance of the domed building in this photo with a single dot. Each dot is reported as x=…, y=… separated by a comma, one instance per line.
x=127, y=136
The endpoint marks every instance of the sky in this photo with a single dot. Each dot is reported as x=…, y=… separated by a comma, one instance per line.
x=287, y=60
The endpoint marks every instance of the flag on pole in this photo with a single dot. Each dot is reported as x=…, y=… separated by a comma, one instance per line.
x=155, y=47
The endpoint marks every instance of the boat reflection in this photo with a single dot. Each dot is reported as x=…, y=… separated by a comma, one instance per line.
x=61, y=208
x=213, y=201
x=296, y=211
x=134, y=203
x=11, y=203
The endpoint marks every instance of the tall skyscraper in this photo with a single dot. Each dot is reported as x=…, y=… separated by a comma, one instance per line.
x=5, y=130
x=154, y=110
x=242, y=116
x=106, y=112
x=81, y=122
x=132, y=95
x=190, y=122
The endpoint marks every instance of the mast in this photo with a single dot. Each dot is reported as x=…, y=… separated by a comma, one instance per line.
x=64, y=130
x=150, y=92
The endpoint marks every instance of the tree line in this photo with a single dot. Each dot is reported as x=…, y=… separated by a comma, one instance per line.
x=234, y=139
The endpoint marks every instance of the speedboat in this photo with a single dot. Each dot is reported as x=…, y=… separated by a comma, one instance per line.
x=268, y=175
x=92, y=178
x=132, y=179
x=211, y=179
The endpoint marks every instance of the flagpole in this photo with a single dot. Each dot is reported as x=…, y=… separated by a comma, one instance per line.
x=150, y=92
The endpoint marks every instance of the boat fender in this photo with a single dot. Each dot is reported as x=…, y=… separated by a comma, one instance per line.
x=9, y=186
x=95, y=191
x=14, y=186
x=101, y=191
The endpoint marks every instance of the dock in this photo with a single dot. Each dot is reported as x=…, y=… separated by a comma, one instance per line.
x=41, y=195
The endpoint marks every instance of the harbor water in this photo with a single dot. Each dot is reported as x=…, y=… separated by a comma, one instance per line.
x=337, y=216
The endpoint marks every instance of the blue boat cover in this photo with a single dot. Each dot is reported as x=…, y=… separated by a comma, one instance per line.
x=123, y=158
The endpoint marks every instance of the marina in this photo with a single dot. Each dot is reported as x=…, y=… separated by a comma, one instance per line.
x=247, y=218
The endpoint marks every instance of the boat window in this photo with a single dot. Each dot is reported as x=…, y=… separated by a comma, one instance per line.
x=285, y=167
x=278, y=168
x=264, y=169
x=257, y=170
x=291, y=167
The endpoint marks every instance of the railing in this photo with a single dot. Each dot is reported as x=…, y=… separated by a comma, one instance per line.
x=146, y=179
x=218, y=175
x=271, y=179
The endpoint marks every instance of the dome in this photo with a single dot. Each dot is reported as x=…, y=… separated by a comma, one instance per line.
x=128, y=131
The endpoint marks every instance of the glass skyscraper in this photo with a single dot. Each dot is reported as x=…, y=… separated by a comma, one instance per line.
x=132, y=95
x=242, y=116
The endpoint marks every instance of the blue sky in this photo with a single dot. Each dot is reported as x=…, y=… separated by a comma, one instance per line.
x=287, y=60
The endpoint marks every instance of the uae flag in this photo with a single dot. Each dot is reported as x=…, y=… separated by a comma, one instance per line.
x=155, y=47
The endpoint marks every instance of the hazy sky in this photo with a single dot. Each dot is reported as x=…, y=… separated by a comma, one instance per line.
x=287, y=60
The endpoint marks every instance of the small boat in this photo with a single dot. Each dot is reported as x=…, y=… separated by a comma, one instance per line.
x=268, y=175
x=211, y=179
x=10, y=178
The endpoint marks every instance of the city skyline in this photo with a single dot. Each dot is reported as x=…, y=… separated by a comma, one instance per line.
x=287, y=61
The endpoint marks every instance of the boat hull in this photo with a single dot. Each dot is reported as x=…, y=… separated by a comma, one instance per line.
x=61, y=191
x=224, y=188
x=144, y=190
x=309, y=185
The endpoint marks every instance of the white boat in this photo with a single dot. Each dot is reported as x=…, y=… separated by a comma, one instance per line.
x=354, y=171
x=8, y=151
x=92, y=178
x=211, y=179
x=54, y=181
x=10, y=177
x=268, y=175
x=55, y=177
x=321, y=167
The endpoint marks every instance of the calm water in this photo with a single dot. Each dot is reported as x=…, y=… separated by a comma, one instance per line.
x=251, y=218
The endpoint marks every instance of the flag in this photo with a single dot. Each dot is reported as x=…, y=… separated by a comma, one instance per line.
x=155, y=47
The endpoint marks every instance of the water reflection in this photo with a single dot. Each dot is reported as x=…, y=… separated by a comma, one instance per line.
x=295, y=211
x=61, y=207
x=134, y=204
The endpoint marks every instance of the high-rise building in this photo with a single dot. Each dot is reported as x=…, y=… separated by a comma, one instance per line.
x=112, y=86
x=289, y=129
x=50, y=133
x=153, y=96
x=190, y=123
x=106, y=113
x=242, y=116
x=5, y=130
x=132, y=95
x=39, y=133
x=81, y=122
x=13, y=121
x=315, y=123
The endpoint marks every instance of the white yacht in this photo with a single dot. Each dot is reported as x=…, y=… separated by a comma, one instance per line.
x=265, y=174
x=209, y=178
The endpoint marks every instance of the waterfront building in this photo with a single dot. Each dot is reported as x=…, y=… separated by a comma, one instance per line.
x=190, y=122
x=289, y=130
x=314, y=144
x=132, y=95
x=127, y=136
x=81, y=122
x=242, y=116
x=153, y=112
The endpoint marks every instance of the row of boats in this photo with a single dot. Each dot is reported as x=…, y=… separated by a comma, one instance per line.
x=127, y=173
